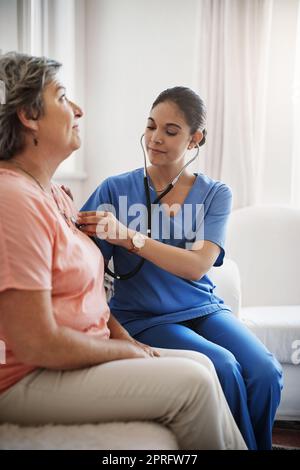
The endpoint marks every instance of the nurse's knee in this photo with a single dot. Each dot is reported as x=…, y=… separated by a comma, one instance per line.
x=226, y=365
x=268, y=373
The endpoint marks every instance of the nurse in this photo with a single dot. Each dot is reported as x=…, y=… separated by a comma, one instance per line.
x=170, y=301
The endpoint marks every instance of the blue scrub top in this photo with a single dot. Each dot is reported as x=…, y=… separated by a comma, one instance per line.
x=154, y=296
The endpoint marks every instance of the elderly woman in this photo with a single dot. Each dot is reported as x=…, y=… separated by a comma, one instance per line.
x=68, y=359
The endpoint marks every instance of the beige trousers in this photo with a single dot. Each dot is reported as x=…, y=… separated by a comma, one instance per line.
x=180, y=390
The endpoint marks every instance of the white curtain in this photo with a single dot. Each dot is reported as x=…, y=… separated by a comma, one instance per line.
x=234, y=44
x=56, y=29
x=295, y=186
x=48, y=27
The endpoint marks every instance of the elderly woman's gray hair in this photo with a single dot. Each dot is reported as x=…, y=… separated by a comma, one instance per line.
x=23, y=79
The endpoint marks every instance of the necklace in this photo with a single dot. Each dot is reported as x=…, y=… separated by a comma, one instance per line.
x=71, y=221
x=29, y=174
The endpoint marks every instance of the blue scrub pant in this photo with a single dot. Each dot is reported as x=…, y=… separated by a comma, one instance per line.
x=250, y=375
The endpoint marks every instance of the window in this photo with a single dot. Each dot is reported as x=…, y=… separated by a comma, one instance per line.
x=53, y=28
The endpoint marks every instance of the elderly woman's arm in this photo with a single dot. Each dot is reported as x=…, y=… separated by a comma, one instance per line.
x=117, y=331
x=32, y=333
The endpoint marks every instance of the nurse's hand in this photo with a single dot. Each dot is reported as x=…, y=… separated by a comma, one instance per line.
x=103, y=225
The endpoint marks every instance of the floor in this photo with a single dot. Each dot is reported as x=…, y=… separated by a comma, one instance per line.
x=286, y=434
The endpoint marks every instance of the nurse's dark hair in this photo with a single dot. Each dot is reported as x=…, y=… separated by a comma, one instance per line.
x=22, y=81
x=190, y=104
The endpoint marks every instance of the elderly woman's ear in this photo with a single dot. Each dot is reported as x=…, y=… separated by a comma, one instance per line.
x=29, y=122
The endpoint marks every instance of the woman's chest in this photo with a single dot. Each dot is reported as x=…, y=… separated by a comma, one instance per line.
x=77, y=262
x=178, y=196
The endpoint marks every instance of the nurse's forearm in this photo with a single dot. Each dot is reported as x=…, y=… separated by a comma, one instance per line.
x=188, y=264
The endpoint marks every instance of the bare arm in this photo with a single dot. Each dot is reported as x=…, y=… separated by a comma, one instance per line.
x=118, y=332
x=31, y=330
x=189, y=264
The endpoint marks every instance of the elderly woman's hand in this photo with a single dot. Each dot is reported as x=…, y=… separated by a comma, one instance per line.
x=145, y=349
x=105, y=226
x=138, y=350
x=150, y=351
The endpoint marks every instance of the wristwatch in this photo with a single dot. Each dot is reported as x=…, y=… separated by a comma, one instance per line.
x=138, y=241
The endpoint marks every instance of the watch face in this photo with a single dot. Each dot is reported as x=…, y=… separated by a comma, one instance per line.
x=138, y=240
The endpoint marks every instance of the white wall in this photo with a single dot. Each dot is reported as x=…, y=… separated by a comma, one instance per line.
x=137, y=48
x=134, y=50
x=8, y=25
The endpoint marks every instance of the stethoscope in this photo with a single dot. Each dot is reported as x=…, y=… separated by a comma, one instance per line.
x=134, y=271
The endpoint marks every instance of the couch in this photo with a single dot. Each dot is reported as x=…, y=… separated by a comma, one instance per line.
x=114, y=436
x=262, y=263
x=264, y=243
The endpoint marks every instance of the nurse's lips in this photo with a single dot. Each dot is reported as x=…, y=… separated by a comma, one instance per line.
x=156, y=150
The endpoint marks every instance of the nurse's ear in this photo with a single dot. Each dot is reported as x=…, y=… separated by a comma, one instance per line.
x=203, y=139
x=197, y=139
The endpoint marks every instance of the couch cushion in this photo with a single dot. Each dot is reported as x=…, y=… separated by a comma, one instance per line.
x=124, y=436
x=277, y=327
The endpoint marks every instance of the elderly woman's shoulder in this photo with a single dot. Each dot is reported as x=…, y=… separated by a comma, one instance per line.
x=17, y=191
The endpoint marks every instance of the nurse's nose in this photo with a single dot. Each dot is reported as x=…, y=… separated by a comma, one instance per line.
x=157, y=139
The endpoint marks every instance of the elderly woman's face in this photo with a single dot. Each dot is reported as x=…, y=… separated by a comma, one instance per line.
x=58, y=128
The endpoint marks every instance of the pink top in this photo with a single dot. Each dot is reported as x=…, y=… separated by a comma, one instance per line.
x=40, y=250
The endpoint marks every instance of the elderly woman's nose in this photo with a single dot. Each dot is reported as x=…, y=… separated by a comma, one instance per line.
x=76, y=109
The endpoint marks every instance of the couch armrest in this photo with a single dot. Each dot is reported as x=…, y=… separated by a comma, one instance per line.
x=228, y=284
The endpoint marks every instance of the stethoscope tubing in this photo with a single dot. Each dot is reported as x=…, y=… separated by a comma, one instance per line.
x=133, y=272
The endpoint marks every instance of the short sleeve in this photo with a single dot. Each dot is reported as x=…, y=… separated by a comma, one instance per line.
x=216, y=218
x=27, y=233
x=101, y=200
